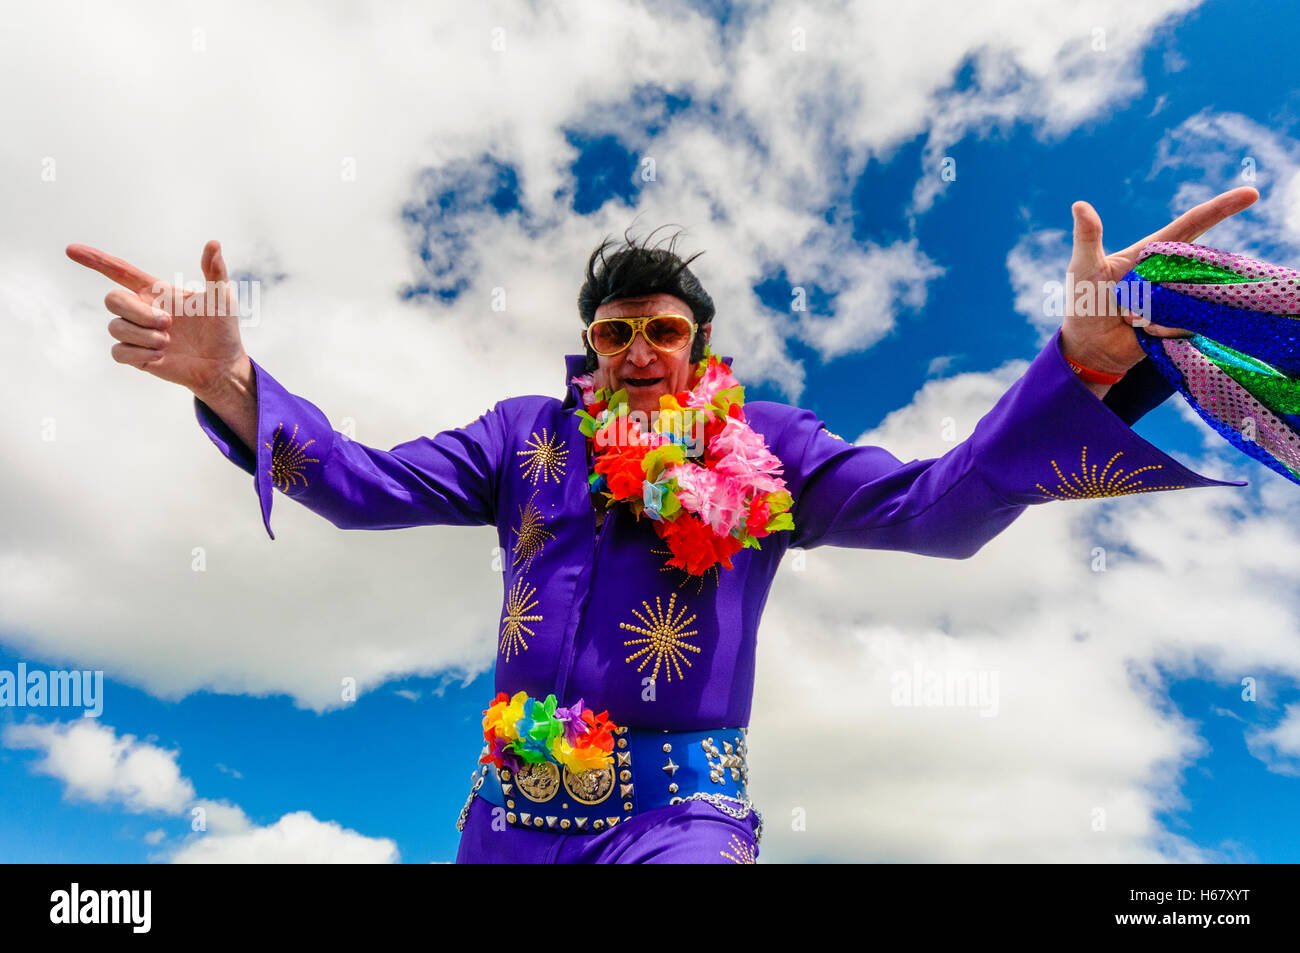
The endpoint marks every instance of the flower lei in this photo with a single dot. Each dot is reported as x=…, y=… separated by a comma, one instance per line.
x=705, y=507
x=523, y=730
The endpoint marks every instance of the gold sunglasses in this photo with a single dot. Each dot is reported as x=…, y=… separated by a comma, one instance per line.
x=664, y=332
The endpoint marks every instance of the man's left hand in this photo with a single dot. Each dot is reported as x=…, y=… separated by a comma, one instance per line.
x=1106, y=341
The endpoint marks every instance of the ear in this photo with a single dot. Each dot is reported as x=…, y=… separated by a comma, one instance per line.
x=708, y=329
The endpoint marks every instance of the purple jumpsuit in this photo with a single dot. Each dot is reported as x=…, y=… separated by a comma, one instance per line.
x=571, y=590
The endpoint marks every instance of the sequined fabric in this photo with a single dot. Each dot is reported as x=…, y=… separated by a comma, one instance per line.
x=1240, y=370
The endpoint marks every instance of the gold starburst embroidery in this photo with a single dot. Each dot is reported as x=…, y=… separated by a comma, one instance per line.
x=544, y=457
x=665, y=637
x=740, y=847
x=687, y=576
x=1088, y=483
x=532, y=535
x=518, y=602
x=288, y=458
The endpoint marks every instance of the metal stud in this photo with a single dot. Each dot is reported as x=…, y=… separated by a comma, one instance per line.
x=509, y=803
x=667, y=747
x=624, y=758
x=611, y=821
x=580, y=823
x=671, y=768
x=625, y=775
x=551, y=821
x=598, y=824
x=505, y=774
x=672, y=788
x=625, y=790
x=622, y=742
x=507, y=789
x=676, y=800
x=627, y=805
x=564, y=824
x=525, y=818
x=512, y=817
x=537, y=821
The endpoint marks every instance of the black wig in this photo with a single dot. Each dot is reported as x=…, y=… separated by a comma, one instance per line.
x=636, y=271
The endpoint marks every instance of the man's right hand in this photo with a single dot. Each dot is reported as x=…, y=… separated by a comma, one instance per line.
x=187, y=337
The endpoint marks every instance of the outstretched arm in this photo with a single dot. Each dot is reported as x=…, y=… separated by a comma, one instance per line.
x=448, y=479
x=192, y=339
x=1049, y=437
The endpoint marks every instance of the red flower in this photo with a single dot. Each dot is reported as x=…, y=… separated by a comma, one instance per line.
x=623, y=471
x=600, y=730
x=695, y=547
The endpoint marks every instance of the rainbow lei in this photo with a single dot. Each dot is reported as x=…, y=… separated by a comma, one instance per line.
x=523, y=730
x=705, y=506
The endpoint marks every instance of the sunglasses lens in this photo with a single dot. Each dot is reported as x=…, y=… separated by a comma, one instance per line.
x=610, y=336
x=668, y=333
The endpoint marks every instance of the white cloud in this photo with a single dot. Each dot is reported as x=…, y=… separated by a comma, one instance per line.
x=296, y=838
x=1279, y=747
x=1216, y=151
x=1039, y=258
x=96, y=765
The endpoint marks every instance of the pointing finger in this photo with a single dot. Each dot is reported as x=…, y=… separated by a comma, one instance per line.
x=124, y=273
x=1196, y=221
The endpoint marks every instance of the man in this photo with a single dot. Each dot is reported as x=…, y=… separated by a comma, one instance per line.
x=592, y=612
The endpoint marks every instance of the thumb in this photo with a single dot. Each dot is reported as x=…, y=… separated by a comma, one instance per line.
x=214, y=265
x=1087, y=235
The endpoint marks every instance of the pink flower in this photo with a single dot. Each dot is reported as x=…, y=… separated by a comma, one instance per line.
x=716, y=378
x=588, y=387
x=743, y=456
x=715, y=498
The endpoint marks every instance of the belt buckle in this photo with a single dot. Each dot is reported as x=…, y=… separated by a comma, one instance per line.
x=564, y=800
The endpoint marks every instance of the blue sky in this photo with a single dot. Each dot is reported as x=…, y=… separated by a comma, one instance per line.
x=397, y=767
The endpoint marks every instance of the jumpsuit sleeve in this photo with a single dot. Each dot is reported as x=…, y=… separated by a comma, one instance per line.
x=1047, y=438
x=450, y=478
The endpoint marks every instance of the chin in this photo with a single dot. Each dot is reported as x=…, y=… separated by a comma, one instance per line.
x=645, y=398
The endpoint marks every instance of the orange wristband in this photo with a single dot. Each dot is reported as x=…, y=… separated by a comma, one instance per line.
x=1088, y=374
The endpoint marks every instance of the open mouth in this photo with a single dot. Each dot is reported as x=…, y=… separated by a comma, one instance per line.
x=642, y=381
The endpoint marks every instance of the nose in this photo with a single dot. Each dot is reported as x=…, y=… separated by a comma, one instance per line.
x=640, y=352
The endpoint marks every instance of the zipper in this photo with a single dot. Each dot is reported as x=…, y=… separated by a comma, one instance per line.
x=598, y=541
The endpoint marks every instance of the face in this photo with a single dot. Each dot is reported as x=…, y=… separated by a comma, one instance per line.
x=645, y=371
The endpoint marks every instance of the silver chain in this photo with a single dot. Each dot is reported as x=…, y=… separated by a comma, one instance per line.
x=740, y=813
x=464, y=811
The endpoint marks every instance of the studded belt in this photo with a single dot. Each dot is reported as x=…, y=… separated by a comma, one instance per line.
x=651, y=769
